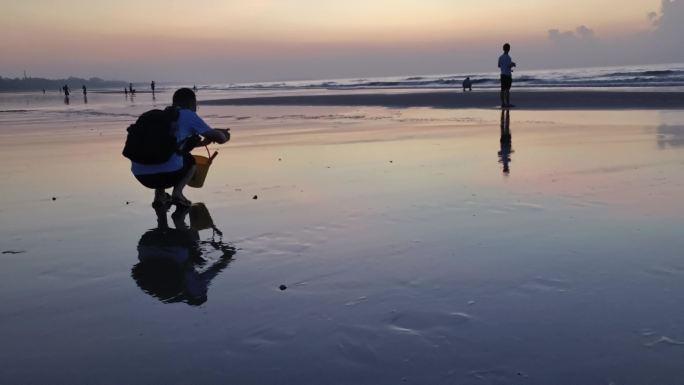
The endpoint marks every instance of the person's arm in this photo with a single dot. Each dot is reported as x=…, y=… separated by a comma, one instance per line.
x=209, y=135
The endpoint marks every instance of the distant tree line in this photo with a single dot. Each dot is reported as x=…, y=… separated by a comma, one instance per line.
x=38, y=84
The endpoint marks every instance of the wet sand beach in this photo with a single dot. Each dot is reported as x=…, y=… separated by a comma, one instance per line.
x=349, y=245
x=524, y=99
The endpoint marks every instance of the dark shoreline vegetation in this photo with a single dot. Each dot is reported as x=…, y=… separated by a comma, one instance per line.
x=38, y=84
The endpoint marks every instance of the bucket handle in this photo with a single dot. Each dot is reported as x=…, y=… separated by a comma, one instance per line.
x=209, y=155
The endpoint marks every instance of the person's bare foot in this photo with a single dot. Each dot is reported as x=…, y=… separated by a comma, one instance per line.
x=180, y=200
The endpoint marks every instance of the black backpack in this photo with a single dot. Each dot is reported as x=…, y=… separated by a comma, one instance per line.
x=152, y=138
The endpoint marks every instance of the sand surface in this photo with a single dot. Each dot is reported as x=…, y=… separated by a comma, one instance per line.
x=408, y=255
x=525, y=99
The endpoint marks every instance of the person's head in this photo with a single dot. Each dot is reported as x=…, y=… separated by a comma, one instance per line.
x=507, y=47
x=185, y=98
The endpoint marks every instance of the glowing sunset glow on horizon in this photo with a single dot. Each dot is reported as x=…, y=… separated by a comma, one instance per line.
x=112, y=39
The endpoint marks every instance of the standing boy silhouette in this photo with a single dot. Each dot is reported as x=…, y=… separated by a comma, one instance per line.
x=506, y=65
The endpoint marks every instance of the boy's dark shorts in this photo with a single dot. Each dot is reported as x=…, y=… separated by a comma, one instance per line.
x=506, y=82
x=167, y=179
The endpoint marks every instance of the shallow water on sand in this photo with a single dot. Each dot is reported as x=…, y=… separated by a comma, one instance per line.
x=407, y=254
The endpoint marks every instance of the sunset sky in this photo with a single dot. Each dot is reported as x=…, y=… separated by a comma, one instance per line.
x=233, y=41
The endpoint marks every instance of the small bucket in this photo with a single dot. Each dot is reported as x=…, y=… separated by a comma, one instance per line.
x=202, y=164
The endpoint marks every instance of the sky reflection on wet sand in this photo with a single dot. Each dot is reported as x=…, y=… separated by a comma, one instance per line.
x=409, y=256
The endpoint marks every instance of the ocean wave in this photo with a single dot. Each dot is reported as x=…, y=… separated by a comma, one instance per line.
x=647, y=73
x=635, y=76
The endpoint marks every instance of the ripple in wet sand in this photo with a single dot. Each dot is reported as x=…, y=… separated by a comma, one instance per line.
x=549, y=285
x=665, y=340
x=419, y=323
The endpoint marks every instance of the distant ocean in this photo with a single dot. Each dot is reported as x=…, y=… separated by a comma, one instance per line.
x=650, y=76
x=664, y=77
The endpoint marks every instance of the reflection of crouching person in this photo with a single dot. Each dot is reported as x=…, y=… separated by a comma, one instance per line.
x=178, y=170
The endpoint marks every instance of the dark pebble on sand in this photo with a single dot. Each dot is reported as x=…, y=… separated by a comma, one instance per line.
x=128, y=203
x=391, y=161
x=279, y=159
x=54, y=198
x=283, y=287
x=255, y=197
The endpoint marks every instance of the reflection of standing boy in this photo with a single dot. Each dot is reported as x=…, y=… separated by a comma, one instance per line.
x=505, y=141
x=506, y=65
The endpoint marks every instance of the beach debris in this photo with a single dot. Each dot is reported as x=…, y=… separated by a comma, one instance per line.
x=13, y=252
x=255, y=197
x=283, y=287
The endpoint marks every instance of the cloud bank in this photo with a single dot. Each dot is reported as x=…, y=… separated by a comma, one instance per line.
x=663, y=43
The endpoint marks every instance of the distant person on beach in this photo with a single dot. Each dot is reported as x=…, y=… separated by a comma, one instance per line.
x=85, y=90
x=194, y=88
x=131, y=90
x=190, y=131
x=66, y=90
x=506, y=65
x=467, y=84
x=152, y=86
x=43, y=91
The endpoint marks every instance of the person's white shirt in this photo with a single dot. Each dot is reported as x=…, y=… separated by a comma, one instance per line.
x=505, y=63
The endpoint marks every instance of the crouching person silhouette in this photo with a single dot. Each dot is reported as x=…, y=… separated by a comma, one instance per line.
x=175, y=265
x=159, y=145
